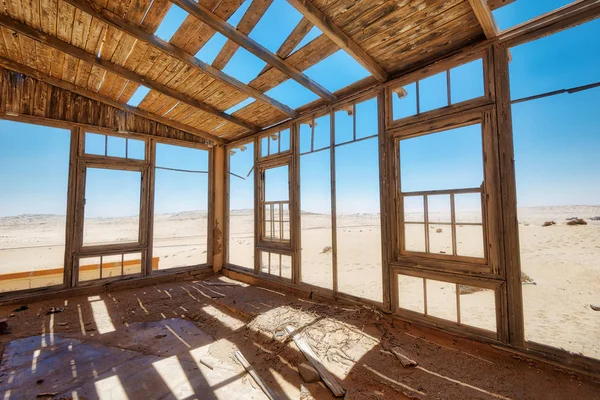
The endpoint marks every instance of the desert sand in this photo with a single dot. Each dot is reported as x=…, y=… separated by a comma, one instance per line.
x=560, y=260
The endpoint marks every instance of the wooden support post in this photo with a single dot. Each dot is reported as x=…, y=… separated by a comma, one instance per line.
x=385, y=193
x=218, y=204
x=71, y=234
x=510, y=225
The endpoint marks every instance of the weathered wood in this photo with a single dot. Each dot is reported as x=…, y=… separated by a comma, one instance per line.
x=170, y=49
x=117, y=69
x=317, y=18
x=484, y=16
x=59, y=83
x=326, y=376
x=495, y=4
x=267, y=390
x=218, y=200
x=221, y=26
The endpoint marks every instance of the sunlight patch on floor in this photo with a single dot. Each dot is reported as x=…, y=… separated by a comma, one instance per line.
x=172, y=373
x=110, y=388
x=101, y=316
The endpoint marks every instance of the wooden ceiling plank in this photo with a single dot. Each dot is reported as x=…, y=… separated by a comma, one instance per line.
x=486, y=19
x=252, y=46
x=17, y=67
x=116, y=69
x=162, y=46
x=253, y=14
x=337, y=35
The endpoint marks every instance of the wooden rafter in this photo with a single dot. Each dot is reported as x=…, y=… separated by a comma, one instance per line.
x=254, y=13
x=221, y=26
x=60, y=83
x=117, y=69
x=486, y=19
x=290, y=43
x=155, y=42
x=339, y=37
x=495, y=4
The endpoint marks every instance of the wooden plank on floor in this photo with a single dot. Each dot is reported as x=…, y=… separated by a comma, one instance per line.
x=326, y=376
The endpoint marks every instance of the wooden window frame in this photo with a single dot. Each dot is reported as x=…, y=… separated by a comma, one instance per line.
x=275, y=131
x=489, y=265
x=263, y=242
x=487, y=98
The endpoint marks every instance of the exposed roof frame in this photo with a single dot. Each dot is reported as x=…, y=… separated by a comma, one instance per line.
x=34, y=73
x=484, y=16
x=117, y=69
x=294, y=38
x=339, y=37
x=495, y=4
x=138, y=33
x=223, y=27
x=251, y=17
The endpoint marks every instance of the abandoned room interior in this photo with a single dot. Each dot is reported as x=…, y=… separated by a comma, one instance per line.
x=299, y=199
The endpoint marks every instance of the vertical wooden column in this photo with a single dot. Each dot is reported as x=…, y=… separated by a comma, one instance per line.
x=385, y=195
x=217, y=205
x=151, y=179
x=294, y=211
x=509, y=223
x=334, y=263
x=71, y=228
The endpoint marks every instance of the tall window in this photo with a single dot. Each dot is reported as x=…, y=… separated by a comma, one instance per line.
x=34, y=170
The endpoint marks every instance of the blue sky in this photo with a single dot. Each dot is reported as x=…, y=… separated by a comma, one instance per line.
x=557, y=139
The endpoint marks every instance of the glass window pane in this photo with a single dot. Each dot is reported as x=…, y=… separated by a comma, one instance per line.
x=414, y=209
x=180, y=206
x=466, y=81
x=467, y=207
x=411, y=293
x=441, y=300
x=277, y=184
x=284, y=136
x=433, y=92
x=241, y=207
x=34, y=173
x=438, y=208
x=469, y=241
x=322, y=132
x=116, y=147
x=95, y=144
x=305, y=132
x=478, y=307
x=449, y=159
x=440, y=239
x=107, y=221
x=344, y=126
x=367, y=121
x=404, y=101
x=136, y=149
x=414, y=237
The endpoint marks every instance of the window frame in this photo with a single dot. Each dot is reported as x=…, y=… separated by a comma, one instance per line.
x=488, y=97
x=488, y=266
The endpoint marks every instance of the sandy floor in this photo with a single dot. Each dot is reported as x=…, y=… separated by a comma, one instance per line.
x=352, y=341
x=561, y=261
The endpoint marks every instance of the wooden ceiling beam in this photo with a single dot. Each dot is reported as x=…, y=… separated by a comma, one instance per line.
x=62, y=84
x=252, y=16
x=77, y=52
x=153, y=41
x=486, y=19
x=223, y=27
x=495, y=4
x=339, y=37
x=290, y=43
